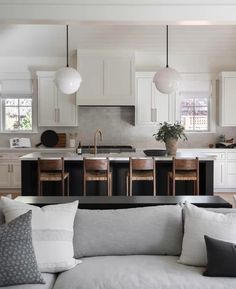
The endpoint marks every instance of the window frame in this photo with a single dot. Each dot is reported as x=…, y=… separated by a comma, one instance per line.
x=212, y=81
x=25, y=91
x=4, y=106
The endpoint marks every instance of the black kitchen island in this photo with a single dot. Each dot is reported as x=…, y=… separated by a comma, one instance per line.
x=119, y=167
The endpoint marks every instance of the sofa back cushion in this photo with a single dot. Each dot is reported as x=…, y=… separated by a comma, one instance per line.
x=148, y=230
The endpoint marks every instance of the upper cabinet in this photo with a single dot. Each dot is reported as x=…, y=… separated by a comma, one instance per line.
x=107, y=78
x=151, y=106
x=54, y=107
x=227, y=99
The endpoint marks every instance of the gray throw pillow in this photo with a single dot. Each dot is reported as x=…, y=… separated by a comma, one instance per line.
x=17, y=258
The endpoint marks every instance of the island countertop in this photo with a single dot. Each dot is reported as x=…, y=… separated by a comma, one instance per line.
x=70, y=156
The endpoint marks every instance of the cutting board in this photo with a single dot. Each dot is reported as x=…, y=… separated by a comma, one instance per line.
x=61, y=140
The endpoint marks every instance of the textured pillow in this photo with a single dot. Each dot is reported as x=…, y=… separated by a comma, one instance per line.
x=18, y=264
x=149, y=230
x=200, y=222
x=52, y=233
x=221, y=258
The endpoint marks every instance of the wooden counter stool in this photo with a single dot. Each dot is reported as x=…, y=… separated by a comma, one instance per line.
x=184, y=170
x=97, y=170
x=52, y=170
x=141, y=169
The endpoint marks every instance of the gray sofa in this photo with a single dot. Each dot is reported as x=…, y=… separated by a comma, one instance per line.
x=130, y=249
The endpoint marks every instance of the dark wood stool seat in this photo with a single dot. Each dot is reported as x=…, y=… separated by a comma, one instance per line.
x=97, y=170
x=184, y=170
x=50, y=170
x=141, y=169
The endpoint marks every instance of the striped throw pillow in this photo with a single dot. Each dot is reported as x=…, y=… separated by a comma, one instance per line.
x=52, y=229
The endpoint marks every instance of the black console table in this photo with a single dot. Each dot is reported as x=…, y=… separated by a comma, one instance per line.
x=119, y=202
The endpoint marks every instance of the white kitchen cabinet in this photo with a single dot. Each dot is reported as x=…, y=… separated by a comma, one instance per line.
x=5, y=177
x=54, y=107
x=227, y=99
x=151, y=106
x=107, y=78
x=220, y=174
x=10, y=175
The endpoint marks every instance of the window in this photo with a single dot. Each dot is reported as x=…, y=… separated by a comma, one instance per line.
x=194, y=111
x=195, y=105
x=16, y=114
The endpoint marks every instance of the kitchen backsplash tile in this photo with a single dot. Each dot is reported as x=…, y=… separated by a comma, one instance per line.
x=117, y=125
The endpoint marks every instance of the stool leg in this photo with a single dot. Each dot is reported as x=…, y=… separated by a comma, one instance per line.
x=168, y=185
x=68, y=185
x=127, y=185
x=173, y=186
x=130, y=187
x=84, y=186
x=110, y=185
x=63, y=187
x=197, y=186
x=41, y=188
x=154, y=186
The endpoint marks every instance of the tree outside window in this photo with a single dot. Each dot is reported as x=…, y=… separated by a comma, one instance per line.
x=17, y=114
x=194, y=113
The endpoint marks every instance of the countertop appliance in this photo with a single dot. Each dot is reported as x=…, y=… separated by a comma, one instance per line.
x=20, y=142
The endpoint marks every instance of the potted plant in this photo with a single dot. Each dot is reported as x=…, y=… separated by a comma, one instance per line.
x=170, y=134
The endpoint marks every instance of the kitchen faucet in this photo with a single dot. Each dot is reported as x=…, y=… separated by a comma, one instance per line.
x=98, y=131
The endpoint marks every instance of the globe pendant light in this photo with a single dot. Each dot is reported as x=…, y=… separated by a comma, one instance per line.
x=67, y=79
x=167, y=79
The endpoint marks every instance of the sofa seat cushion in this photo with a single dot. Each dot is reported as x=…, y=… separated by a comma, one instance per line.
x=138, y=272
x=48, y=278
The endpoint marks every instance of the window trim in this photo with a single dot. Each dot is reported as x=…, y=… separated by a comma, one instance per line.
x=32, y=95
x=212, y=79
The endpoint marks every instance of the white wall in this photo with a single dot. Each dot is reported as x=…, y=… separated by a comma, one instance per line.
x=215, y=53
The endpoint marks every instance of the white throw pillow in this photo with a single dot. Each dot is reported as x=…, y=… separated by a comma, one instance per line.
x=200, y=222
x=52, y=229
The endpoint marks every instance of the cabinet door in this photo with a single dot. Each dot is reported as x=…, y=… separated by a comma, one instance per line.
x=227, y=99
x=4, y=175
x=15, y=175
x=219, y=174
x=47, y=101
x=107, y=77
x=91, y=67
x=151, y=106
x=161, y=104
x=118, y=81
x=144, y=113
x=67, y=110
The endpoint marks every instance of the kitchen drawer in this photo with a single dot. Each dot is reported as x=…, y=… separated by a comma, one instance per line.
x=11, y=156
x=231, y=156
x=219, y=156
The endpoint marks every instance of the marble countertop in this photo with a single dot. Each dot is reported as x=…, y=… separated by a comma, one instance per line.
x=112, y=156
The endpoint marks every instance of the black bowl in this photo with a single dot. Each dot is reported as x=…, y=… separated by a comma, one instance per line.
x=155, y=153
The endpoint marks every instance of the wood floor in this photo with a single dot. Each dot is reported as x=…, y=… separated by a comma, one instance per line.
x=228, y=197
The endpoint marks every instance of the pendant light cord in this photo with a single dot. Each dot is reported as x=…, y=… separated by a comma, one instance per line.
x=167, y=46
x=67, y=47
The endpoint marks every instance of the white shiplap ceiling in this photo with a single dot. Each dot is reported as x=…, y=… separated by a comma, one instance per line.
x=49, y=40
